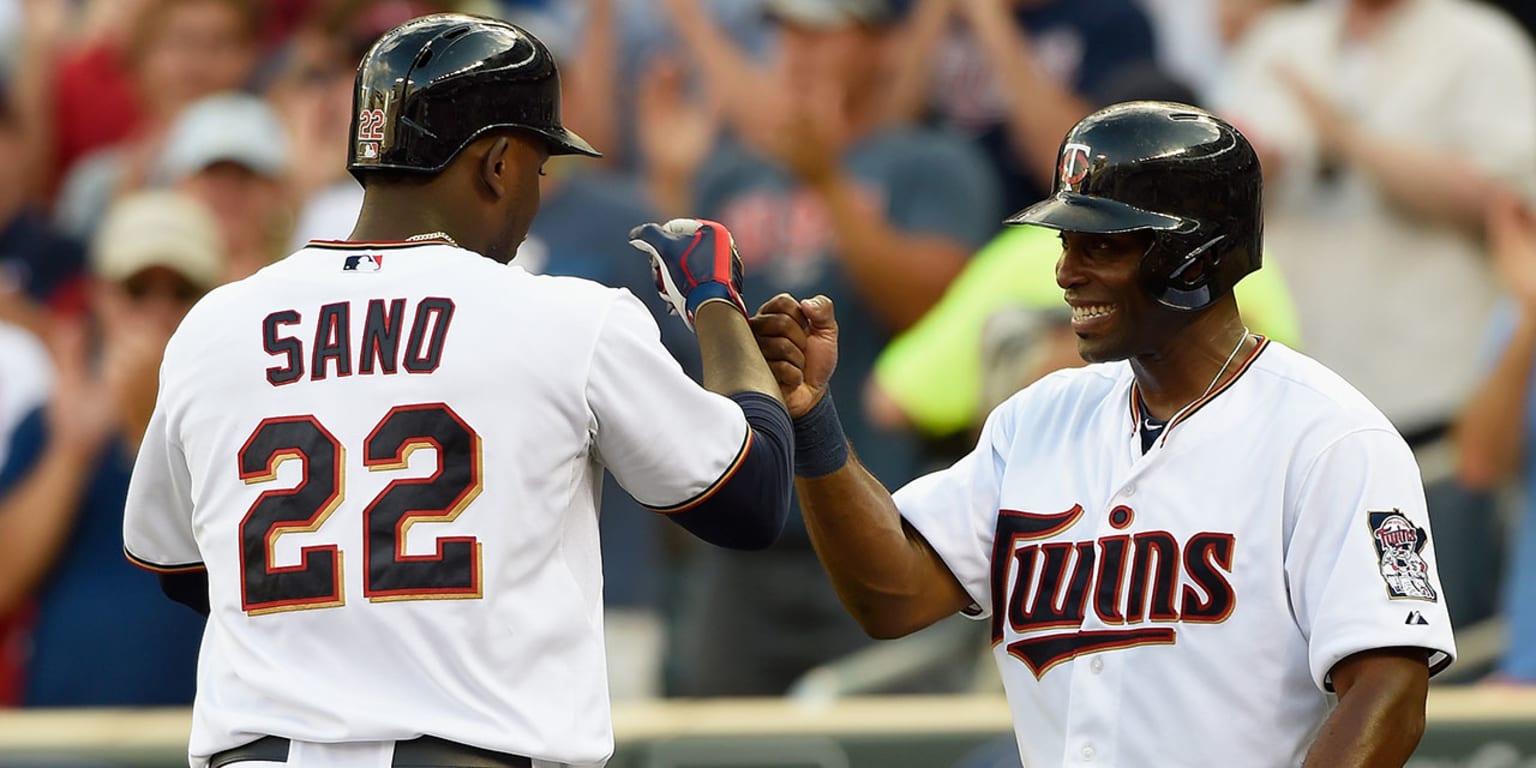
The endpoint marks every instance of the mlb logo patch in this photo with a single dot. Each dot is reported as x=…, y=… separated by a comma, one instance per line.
x=363, y=263
x=368, y=150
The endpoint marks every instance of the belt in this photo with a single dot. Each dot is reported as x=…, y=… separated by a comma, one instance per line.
x=424, y=752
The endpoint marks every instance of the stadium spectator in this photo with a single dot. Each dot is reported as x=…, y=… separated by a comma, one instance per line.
x=823, y=195
x=178, y=51
x=103, y=634
x=1016, y=74
x=26, y=381
x=1496, y=432
x=229, y=152
x=37, y=265
x=1379, y=162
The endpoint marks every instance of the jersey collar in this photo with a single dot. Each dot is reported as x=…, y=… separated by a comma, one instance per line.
x=1138, y=410
x=374, y=245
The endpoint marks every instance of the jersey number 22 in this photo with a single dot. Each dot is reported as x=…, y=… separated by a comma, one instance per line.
x=453, y=571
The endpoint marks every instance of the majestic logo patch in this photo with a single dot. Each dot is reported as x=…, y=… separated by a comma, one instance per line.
x=368, y=262
x=1399, y=544
x=1074, y=164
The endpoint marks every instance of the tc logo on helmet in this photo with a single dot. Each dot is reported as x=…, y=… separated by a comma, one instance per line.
x=1074, y=164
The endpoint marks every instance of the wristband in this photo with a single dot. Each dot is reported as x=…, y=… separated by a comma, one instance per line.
x=820, y=446
x=712, y=291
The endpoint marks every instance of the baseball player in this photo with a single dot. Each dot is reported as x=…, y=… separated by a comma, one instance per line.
x=375, y=464
x=1205, y=548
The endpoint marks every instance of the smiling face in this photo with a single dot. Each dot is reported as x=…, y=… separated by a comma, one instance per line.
x=1113, y=316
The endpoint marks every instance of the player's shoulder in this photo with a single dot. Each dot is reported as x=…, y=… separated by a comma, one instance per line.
x=1301, y=389
x=1069, y=394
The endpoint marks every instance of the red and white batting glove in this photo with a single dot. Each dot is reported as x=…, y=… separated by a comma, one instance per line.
x=694, y=261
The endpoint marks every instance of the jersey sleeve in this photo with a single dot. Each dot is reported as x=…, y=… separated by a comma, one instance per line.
x=668, y=441
x=955, y=509
x=157, y=516
x=1359, y=560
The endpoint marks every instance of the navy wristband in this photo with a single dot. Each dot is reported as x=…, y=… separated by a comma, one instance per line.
x=706, y=291
x=820, y=446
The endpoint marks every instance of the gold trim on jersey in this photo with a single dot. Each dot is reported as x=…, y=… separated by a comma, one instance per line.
x=341, y=594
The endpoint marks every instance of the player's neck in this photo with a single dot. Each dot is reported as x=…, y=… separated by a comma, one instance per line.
x=391, y=216
x=1198, y=360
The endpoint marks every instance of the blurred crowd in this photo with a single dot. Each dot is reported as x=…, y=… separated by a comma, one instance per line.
x=151, y=150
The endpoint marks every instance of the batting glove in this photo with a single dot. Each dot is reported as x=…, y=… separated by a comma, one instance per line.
x=694, y=261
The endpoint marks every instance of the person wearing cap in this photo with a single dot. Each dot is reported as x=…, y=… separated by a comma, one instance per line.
x=102, y=636
x=116, y=101
x=822, y=195
x=229, y=151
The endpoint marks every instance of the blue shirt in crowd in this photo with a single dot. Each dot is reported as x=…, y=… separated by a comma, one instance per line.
x=104, y=636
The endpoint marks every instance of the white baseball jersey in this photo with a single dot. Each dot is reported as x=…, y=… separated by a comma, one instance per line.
x=388, y=458
x=25, y=380
x=1184, y=607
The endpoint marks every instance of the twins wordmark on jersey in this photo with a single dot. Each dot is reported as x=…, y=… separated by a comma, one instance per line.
x=1130, y=579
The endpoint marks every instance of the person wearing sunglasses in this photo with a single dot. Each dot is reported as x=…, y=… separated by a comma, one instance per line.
x=101, y=636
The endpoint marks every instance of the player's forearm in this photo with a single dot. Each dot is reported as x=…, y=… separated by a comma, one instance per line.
x=729, y=353
x=37, y=516
x=1377, y=724
x=883, y=573
x=900, y=276
x=1490, y=433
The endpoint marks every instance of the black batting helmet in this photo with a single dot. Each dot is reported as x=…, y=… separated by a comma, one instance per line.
x=1183, y=174
x=432, y=85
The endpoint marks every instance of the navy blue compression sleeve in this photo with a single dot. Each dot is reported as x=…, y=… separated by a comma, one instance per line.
x=747, y=509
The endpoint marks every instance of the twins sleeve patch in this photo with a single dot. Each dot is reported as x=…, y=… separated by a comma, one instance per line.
x=1399, y=545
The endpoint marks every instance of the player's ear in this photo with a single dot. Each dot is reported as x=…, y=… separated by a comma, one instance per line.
x=495, y=166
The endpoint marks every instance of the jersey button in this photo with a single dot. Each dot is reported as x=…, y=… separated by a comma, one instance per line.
x=1130, y=490
x=1097, y=665
x=1087, y=751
